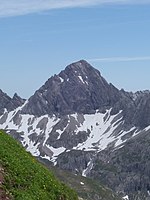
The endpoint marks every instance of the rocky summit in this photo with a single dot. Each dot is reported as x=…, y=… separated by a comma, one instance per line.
x=81, y=123
x=9, y=103
x=78, y=89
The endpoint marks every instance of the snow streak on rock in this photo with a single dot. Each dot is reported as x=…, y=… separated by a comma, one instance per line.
x=47, y=136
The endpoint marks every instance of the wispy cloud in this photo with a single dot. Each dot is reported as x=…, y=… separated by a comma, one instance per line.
x=120, y=59
x=23, y=7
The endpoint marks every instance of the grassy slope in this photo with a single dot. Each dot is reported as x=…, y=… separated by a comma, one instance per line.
x=25, y=178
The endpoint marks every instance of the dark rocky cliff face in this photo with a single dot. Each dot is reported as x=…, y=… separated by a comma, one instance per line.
x=79, y=88
x=9, y=103
x=135, y=108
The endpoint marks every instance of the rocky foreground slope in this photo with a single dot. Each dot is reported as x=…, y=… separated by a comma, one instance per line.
x=81, y=123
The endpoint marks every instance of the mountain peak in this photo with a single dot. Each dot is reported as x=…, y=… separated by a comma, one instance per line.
x=81, y=66
x=79, y=88
x=17, y=100
x=16, y=97
x=9, y=103
x=79, y=72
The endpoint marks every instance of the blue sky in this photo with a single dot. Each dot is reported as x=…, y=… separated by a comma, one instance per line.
x=39, y=38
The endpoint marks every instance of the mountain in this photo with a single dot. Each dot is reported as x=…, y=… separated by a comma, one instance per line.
x=81, y=123
x=78, y=89
x=9, y=103
x=22, y=177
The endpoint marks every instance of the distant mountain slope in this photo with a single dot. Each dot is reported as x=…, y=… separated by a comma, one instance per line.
x=25, y=178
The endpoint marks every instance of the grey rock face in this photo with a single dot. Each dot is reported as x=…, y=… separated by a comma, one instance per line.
x=79, y=88
x=75, y=161
x=135, y=107
x=9, y=103
x=126, y=170
x=4, y=101
x=16, y=101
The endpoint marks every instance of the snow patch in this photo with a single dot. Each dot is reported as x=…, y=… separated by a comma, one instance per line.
x=56, y=151
x=125, y=197
x=147, y=128
x=119, y=138
x=80, y=77
x=60, y=132
x=46, y=157
x=33, y=149
x=81, y=183
x=61, y=79
x=100, y=131
x=88, y=169
x=51, y=123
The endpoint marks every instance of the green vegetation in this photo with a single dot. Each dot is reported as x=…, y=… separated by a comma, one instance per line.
x=25, y=178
